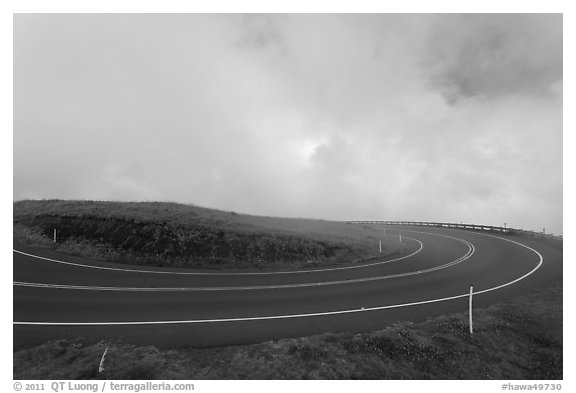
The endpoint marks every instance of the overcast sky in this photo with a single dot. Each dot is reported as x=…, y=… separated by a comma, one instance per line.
x=411, y=117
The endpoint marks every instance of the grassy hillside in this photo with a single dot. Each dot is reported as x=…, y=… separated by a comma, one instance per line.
x=170, y=234
x=516, y=340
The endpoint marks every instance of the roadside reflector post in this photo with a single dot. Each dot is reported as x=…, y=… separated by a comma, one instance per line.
x=470, y=309
x=101, y=367
x=400, y=235
x=54, y=235
x=380, y=245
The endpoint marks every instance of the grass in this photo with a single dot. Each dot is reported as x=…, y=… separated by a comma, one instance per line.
x=521, y=339
x=170, y=234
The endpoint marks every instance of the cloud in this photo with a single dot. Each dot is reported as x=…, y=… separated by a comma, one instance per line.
x=493, y=55
x=427, y=117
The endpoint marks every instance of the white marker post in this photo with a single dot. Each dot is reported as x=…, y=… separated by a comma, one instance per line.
x=400, y=234
x=470, y=309
x=380, y=245
x=54, y=235
x=101, y=367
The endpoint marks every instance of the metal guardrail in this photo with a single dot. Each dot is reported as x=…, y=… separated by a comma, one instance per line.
x=477, y=227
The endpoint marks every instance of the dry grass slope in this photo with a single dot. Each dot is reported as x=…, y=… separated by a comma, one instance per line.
x=170, y=234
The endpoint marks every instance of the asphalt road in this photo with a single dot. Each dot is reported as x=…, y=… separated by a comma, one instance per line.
x=61, y=296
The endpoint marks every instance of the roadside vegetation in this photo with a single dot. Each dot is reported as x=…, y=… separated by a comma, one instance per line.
x=170, y=234
x=521, y=339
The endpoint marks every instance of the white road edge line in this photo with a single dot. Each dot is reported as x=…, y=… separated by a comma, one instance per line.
x=280, y=286
x=421, y=246
x=301, y=315
x=290, y=316
x=469, y=253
